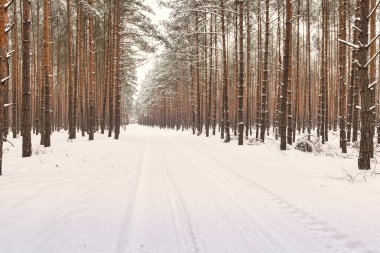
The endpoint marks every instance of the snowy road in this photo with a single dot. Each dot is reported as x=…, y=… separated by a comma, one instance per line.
x=165, y=191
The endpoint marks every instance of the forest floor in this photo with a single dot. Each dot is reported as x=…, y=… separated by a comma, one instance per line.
x=165, y=191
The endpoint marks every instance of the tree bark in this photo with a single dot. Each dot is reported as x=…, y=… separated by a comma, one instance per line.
x=91, y=69
x=264, y=88
x=72, y=130
x=241, y=74
x=3, y=74
x=26, y=101
x=367, y=108
x=47, y=75
x=248, y=70
x=342, y=74
x=308, y=50
x=15, y=71
x=117, y=80
x=225, y=77
x=285, y=75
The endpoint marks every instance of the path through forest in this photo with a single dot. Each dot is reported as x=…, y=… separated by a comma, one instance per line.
x=165, y=191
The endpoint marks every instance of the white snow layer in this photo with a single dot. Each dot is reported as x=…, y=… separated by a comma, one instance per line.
x=165, y=191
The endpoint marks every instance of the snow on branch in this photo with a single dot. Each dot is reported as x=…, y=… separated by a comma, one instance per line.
x=369, y=44
x=5, y=139
x=349, y=44
x=374, y=10
x=357, y=28
x=356, y=62
x=9, y=27
x=4, y=79
x=9, y=54
x=6, y=6
x=372, y=84
x=373, y=57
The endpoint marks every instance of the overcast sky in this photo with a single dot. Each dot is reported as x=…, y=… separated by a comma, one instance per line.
x=160, y=14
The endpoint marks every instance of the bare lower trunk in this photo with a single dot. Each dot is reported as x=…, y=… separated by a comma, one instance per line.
x=26, y=102
x=285, y=76
x=366, y=141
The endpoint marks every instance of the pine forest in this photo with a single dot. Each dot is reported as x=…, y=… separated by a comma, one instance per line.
x=168, y=126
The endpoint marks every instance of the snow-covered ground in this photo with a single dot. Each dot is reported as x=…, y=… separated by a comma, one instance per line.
x=165, y=191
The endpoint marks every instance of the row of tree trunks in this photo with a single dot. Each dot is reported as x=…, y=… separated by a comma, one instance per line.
x=65, y=75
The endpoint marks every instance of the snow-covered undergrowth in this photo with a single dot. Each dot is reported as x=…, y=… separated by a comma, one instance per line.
x=165, y=191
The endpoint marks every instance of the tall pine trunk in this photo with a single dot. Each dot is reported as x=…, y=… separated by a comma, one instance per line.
x=71, y=111
x=264, y=88
x=117, y=68
x=26, y=93
x=225, y=76
x=342, y=74
x=241, y=75
x=285, y=74
x=15, y=70
x=91, y=69
x=366, y=141
x=248, y=70
x=308, y=67
x=47, y=75
x=3, y=74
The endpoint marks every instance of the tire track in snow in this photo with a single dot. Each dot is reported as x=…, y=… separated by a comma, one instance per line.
x=223, y=200
x=185, y=213
x=182, y=208
x=173, y=217
x=130, y=202
x=326, y=234
x=313, y=223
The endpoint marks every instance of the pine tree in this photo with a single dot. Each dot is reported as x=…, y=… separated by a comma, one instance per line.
x=342, y=74
x=47, y=75
x=26, y=84
x=264, y=91
x=71, y=112
x=225, y=76
x=3, y=74
x=91, y=69
x=366, y=141
x=285, y=75
x=14, y=71
x=241, y=74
